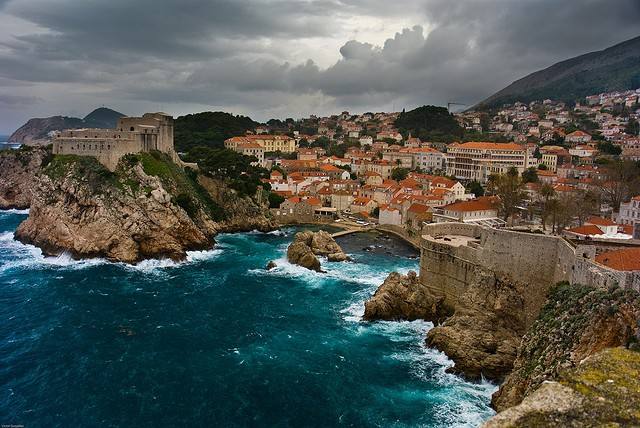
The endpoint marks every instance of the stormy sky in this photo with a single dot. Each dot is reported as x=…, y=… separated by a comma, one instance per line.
x=284, y=58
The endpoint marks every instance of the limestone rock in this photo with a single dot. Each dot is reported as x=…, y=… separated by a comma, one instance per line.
x=19, y=170
x=83, y=214
x=602, y=390
x=307, y=245
x=403, y=298
x=271, y=265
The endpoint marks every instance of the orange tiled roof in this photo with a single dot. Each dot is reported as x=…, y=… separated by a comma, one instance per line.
x=480, y=145
x=586, y=230
x=599, y=221
x=419, y=209
x=624, y=260
x=484, y=203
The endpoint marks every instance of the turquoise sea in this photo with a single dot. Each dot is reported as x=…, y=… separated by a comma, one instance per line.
x=217, y=341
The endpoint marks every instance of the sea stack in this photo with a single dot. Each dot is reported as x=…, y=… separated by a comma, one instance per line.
x=307, y=245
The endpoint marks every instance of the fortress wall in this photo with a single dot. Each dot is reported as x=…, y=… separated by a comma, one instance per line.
x=525, y=257
x=447, y=271
x=534, y=261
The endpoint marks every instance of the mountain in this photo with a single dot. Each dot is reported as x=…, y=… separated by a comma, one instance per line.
x=36, y=131
x=613, y=69
x=102, y=118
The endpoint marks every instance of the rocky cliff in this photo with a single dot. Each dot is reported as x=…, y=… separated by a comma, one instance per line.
x=575, y=323
x=602, y=390
x=307, y=245
x=19, y=169
x=403, y=297
x=481, y=334
x=148, y=208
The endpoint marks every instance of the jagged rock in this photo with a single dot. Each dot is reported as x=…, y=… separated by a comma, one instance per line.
x=483, y=334
x=81, y=213
x=19, y=169
x=271, y=265
x=307, y=245
x=403, y=298
x=80, y=208
x=300, y=253
x=603, y=390
x=575, y=323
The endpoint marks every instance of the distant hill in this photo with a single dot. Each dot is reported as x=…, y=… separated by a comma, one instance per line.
x=209, y=129
x=613, y=69
x=36, y=131
x=102, y=118
x=429, y=123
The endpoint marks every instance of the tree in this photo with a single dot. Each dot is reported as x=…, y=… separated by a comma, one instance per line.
x=620, y=182
x=530, y=176
x=609, y=148
x=476, y=188
x=399, y=174
x=275, y=200
x=509, y=188
x=633, y=127
x=547, y=192
x=543, y=167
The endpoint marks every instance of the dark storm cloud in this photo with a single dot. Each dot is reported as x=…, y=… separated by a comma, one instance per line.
x=233, y=53
x=17, y=100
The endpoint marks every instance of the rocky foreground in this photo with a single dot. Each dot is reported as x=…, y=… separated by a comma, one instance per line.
x=148, y=208
x=487, y=336
x=307, y=246
x=601, y=390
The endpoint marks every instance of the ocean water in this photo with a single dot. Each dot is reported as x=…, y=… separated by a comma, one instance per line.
x=217, y=341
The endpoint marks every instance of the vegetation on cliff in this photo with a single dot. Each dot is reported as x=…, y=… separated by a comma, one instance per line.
x=231, y=166
x=577, y=321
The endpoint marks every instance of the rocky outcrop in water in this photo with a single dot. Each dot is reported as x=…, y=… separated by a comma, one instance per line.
x=602, y=390
x=403, y=297
x=575, y=323
x=148, y=208
x=483, y=335
x=19, y=169
x=89, y=213
x=307, y=245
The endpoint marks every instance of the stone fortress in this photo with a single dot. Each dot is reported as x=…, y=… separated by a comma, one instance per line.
x=456, y=256
x=152, y=131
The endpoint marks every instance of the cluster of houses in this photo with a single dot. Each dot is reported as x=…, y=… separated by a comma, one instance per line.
x=548, y=137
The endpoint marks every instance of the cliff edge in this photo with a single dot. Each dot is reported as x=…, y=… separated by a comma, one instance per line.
x=148, y=208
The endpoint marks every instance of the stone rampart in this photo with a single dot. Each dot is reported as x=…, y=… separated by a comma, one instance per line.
x=456, y=255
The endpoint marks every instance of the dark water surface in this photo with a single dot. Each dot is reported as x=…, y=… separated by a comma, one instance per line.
x=217, y=341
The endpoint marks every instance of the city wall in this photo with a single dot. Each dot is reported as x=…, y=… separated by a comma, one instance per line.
x=455, y=256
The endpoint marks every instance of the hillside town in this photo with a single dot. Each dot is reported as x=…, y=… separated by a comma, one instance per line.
x=362, y=168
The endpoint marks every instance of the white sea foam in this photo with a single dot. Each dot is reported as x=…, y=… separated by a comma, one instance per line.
x=15, y=211
x=30, y=257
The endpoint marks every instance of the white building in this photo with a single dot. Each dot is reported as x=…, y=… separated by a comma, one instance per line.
x=629, y=212
x=479, y=160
